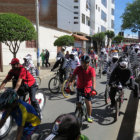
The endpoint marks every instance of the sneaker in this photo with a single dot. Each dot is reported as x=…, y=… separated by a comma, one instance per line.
x=90, y=120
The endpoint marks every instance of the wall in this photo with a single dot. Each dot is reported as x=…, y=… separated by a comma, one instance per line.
x=47, y=37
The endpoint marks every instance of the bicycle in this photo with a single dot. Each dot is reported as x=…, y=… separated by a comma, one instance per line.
x=40, y=97
x=54, y=83
x=119, y=99
x=81, y=109
x=72, y=88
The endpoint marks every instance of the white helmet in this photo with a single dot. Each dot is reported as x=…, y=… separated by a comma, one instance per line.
x=103, y=50
x=28, y=57
x=115, y=55
x=136, y=47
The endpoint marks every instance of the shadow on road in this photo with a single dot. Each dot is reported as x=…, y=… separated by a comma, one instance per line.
x=128, y=123
x=52, y=96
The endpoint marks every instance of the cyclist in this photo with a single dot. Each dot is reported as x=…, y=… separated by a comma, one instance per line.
x=29, y=65
x=73, y=61
x=61, y=60
x=23, y=81
x=103, y=58
x=110, y=65
x=123, y=74
x=66, y=127
x=92, y=55
x=134, y=59
x=85, y=83
x=23, y=113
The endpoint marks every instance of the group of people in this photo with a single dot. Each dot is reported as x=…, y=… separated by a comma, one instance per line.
x=45, y=54
x=66, y=126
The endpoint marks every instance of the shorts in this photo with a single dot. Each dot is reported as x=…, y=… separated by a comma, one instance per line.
x=28, y=131
x=81, y=92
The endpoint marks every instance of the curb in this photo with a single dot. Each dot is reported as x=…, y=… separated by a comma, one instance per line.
x=136, y=135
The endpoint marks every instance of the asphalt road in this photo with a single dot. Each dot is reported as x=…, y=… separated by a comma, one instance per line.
x=103, y=127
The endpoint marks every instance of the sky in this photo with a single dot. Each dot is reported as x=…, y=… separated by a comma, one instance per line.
x=119, y=10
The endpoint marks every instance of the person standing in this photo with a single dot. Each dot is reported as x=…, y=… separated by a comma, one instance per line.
x=47, y=55
x=42, y=55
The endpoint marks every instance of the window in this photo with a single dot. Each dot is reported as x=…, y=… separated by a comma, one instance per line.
x=75, y=0
x=112, y=11
x=75, y=7
x=75, y=12
x=31, y=44
x=112, y=24
x=88, y=4
x=75, y=17
x=113, y=1
x=87, y=21
x=75, y=22
x=103, y=29
x=104, y=2
x=99, y=9
x=96, y=6
x=103, y=15
x=83, y=18
x=98, y=29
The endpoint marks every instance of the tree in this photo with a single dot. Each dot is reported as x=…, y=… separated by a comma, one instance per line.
x=99, y=38
x=118, y=39
x=65, y=40
x=15, y=29
x=131, y=17
x=110, y=35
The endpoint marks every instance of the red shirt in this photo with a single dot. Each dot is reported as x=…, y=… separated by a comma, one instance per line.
x=84, y=76
x=21, y=73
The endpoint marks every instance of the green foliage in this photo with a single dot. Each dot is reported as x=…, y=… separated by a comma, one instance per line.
x=109, y=34
x=131, y=16
x=118, y=39
x=14, y=27
x=99, y=37
x=65, y=40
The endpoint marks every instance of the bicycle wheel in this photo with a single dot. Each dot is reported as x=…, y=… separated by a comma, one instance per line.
x=6, y=127
x=107, y=98
x=79, y=116
x=38, y=80
x=54, y=85
x=41, y=98
x=64, y=86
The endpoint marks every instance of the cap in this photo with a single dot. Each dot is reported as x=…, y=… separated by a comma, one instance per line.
x=14, y=61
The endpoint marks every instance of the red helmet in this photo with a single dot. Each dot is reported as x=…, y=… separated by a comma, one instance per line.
x=14, y=61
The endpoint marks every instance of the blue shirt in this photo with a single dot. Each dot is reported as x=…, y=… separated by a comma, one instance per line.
x=24, y=115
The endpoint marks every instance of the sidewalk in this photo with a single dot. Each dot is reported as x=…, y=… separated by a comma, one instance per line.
x=43, y=72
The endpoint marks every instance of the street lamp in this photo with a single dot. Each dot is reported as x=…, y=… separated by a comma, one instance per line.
x=37, y=29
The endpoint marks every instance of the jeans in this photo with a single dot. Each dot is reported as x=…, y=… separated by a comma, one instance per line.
x=32, y=91
x=62, y=75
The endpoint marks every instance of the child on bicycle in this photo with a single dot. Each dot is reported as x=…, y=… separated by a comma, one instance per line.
x=85, y=83
x=23, y=113
x=66, y=127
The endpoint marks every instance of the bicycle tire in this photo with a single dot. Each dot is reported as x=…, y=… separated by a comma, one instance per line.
x=56, y=85
x=41, y=98
x=6, y=127
x=64, y=86
x=107, y=98
x=38, y=80
x=79, y=116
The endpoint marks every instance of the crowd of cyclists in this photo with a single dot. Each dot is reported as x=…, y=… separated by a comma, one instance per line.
x=120, y=66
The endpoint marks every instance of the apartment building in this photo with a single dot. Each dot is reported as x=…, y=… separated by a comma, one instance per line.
x=86, y=17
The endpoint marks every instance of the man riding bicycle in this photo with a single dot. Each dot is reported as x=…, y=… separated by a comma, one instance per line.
x=85, y=83
x=23, y=81
x=123, y=74
x=24, y=114
x=61, y=60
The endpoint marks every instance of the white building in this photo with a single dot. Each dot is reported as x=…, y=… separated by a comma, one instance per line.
x=86, y=17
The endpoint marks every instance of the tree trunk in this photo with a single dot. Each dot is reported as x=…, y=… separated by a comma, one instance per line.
x=14, y=55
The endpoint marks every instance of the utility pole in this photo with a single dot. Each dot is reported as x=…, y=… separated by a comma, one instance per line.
x=37, y=29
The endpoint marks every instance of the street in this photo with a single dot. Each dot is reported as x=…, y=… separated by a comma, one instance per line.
x=103, y=127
